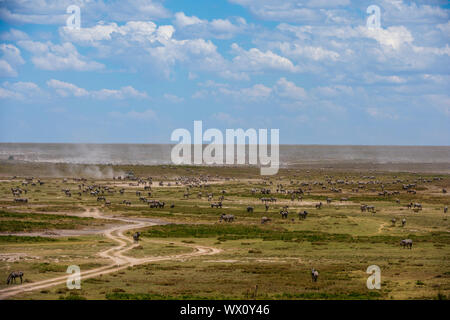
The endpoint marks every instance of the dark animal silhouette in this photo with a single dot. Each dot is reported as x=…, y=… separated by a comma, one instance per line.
x=13, y=275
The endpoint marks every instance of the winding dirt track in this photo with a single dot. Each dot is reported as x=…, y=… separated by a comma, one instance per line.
x=119, y=261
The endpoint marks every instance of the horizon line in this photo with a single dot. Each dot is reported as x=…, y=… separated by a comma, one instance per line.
x=281, y=144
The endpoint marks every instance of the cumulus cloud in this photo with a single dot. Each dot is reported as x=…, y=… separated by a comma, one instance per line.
x=288, y=89
x=192, y=26
x=19, y=90
x=54, y=11
x=10, y=60
x=13, y=35
x=257, y=60
x=56, y=57
x=66, y=89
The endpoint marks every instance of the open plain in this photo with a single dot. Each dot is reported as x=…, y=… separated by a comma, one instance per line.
x=223, y=232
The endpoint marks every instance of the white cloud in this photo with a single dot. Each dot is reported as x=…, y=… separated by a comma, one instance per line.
x=129, y=34
x=393, y=37
x=54, y=57
x=13, y=35
x=257, y=60
x=10, y=60
x=6, y=70
x=66, y=89
x=54, y=11
x=173, y=98
x=182, y=20
x=412, y=13
x=20, y=90
x=310, y=52
x=375, y=78
x=287, y=89
x=122, y=93
x=192, y=26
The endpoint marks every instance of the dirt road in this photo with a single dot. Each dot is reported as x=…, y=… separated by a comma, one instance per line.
x=119, y=261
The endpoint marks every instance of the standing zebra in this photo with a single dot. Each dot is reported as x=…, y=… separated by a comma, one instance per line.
x=136, y=236
x=314, y=275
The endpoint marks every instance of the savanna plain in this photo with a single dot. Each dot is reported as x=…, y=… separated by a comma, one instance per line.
x=222, y=232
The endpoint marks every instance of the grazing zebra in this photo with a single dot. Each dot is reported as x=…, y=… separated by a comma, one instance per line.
x=216, y=205
x=363, y=207
x=329, y=200
x=319, y=205
x=406, y=243
x=13, y=275
x=284, y=214
x=136, y=236
x=250, y=209
x=403, y=222
x=314, y=275
x=265, y=219
x=302, y=215
x=445, y=209
x=226, y=217
x=393, y=221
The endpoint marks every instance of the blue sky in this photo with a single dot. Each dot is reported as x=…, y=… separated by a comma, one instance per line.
x=137, y=70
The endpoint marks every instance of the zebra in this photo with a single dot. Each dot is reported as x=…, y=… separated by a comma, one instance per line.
x=406, y=243
x=226, y=217
x=319, y=205
x=136, y=236
x=13, y=275
x=403, y=222
x=265, y=219
x=216, y=205
x=284, y=214
x=250, y=209
x=393, y=221
x=314, y=275
x=302, y=215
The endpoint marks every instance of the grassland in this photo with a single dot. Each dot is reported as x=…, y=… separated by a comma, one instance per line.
x=338, y=240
